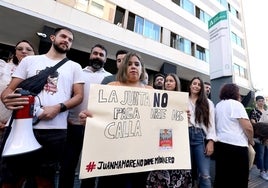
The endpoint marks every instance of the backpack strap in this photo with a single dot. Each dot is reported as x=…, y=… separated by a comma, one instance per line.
x=55, y=67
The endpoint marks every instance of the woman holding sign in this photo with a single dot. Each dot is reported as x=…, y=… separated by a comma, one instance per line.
x=170, y=178
x=202, y=132
x=131, y=73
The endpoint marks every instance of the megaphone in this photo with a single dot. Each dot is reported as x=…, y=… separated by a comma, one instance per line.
x=21, y=138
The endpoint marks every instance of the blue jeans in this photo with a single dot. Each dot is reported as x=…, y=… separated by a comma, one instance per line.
x=198, y=157
x=261, y=156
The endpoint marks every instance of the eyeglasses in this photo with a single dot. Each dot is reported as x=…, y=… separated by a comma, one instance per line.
x=21, y=49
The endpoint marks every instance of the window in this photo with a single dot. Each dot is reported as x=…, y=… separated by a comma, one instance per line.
x=199, y=13
x=131, y=21
x=178, y=2
x=174, y=41
x=147, y=28
x=97, y=5
x=240, y=71
x=203, y=16
x=188, y=6
x=233, y=37
x=236, y=69
x=185, y=45
x=200, y=53
x=119, y=16
x=207, y=55
x=152, y=30
x=96, y=9
x=223, y=3
x=233, y=11
x=237, y=40
x=99, y=8
x=243, y=72
x=139, y=22
x=82, y=5
x=188, y=47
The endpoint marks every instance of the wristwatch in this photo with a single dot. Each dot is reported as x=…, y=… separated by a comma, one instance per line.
x=63, y=108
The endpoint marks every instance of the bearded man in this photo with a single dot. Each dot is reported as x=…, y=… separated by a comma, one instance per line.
x=92, y=74
x=51, y=131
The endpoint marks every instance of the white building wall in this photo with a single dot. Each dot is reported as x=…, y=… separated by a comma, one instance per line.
x=194, y=29
x=62, y=14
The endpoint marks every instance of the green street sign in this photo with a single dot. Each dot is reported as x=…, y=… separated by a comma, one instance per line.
x=220, y=16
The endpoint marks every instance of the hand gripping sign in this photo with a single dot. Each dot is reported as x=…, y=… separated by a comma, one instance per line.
x=134, y=130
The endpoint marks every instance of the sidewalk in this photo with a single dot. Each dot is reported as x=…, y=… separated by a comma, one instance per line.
x=255, y=181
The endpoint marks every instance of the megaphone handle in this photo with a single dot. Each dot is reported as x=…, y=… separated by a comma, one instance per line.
x=6, y=134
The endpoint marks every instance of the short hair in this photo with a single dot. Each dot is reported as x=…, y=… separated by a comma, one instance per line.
x=259, y=97
x=101, y=47
x=122, y=72
x=229, y=91
x=57, y=30
x=207, y=83
x=119, y=52
x=157, y=75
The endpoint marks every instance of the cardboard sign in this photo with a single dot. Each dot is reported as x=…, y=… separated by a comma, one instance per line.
x=134, y=130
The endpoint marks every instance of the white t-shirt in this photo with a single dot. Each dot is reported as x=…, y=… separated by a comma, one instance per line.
x=57, y=90
x=90, y=77
x=210, y=131
x=5, y=77
x=228, y=129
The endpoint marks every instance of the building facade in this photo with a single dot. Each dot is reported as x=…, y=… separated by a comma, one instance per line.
x=170, y=35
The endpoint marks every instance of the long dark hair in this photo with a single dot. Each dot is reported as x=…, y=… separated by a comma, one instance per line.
x=177, y=80
x=202, y=105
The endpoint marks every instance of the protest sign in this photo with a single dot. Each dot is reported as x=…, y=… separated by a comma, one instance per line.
x=134, y=130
